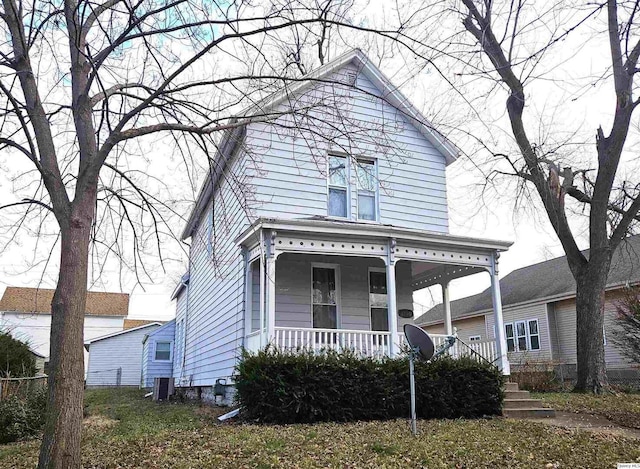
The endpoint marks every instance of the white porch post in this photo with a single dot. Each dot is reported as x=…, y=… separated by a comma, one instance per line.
x=271, y=287
x=248, y=315
x=501, y=341
x=392, y=308
x=448, y=324
x=263, y=257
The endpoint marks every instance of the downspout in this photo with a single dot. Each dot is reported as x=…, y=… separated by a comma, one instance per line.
x=186, y=320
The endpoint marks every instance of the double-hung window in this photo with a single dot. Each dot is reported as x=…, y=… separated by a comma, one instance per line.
x=522, y=335
x=338, y=187
x=324, y=298
x=366, y=182
x=163, y=351
x=378, y=300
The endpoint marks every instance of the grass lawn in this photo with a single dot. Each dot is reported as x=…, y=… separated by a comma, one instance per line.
x=624, y=409
x=122, y=430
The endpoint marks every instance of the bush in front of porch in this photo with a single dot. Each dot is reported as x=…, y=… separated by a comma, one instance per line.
x=282, y=387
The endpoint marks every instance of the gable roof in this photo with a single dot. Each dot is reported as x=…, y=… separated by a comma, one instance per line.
x=390, y=94
x=166, y=325
x=87, y=343
x=133, y=323
x=546, y=281
x=38, y=300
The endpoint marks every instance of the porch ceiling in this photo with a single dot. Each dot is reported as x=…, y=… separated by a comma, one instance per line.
x=426, y=274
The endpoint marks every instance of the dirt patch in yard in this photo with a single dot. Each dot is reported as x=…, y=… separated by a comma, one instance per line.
x=589, y=422
x=99, y=422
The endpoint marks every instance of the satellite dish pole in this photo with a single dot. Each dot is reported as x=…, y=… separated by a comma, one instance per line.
x=412, y=386
x=421, y=346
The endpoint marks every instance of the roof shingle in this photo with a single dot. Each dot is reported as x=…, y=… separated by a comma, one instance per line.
x=38, y=300
x=548, y=279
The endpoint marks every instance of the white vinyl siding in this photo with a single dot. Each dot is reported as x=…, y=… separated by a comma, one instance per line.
x=563, y=320
x=159, y=368
x=474, y=326
x=291, y=180
x=121, y=351
x=520, y=315
x=214, y=326
x=293, y=290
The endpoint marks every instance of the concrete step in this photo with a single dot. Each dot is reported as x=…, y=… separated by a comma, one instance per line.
x=522, y=404
x=511, y=387
x=517, y=395
x=529, y=413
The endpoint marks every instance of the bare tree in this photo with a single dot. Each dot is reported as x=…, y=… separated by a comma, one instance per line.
x=86, y=88
x=504, y=49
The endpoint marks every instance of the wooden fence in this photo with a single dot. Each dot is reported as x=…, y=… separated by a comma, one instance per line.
x=21, y=387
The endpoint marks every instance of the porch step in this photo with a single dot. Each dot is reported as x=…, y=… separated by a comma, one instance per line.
x=533, y=413
x=519, y=404
x=511, y=386
x=510, y=404
x=517, y=395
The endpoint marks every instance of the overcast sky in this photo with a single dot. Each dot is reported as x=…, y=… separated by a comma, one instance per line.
x=568, y=109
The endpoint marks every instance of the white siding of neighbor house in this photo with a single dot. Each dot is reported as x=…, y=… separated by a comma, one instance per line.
x=214, y=318
x=465, y=327
x=563, y=320
x=291, y=179
x=152, y=368
x=293, y=290
x=511, y=314
x=35, y=328
x=120, y=351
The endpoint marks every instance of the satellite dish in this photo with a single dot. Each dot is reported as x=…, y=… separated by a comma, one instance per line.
x=405, y=313
x=419, y=341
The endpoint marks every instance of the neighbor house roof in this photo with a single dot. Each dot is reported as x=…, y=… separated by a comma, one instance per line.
x=390, y=93
x=38, y=300
x=87, y=343
x=546, y=281
x=132, y=323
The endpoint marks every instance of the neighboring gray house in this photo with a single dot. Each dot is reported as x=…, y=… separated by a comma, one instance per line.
x=157, y=354
x=116, y=359
x=318, y=237
x=539, y=311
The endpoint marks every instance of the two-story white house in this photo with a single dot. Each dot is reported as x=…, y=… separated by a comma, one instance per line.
x=317, y=223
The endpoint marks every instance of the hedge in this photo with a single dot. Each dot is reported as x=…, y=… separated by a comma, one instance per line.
x=280, y=387
x=22, y=418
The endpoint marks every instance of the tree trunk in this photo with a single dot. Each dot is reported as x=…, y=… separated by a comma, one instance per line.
x=60, y=447
x=590, y=291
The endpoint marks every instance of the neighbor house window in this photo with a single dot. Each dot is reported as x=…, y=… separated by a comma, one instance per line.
x=163, y=351
x=338, y=187
x=475, y=338
x=511, y=342
x=325, y=298
x=378, y=301
x=366, y=183
x=522, y=335
x=534, y=334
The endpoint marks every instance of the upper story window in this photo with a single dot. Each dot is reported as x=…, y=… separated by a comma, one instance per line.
x=338, y=187
x=367, y=189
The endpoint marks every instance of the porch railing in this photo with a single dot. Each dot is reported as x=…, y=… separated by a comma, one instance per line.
x=364, y=343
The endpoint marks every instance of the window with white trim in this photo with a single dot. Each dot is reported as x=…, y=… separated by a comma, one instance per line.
x=475, y=338
x=511, y=341
x=522, y=335
x=163, y=351
x=338, y=178
x=378, y=300
x=534, y=334
x=366, y=185
x=324, y=298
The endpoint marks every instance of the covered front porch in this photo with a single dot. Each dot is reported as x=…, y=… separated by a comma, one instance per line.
x=317, y=284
